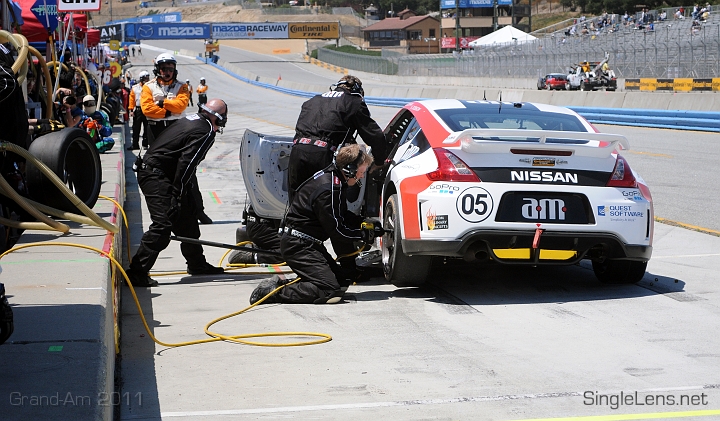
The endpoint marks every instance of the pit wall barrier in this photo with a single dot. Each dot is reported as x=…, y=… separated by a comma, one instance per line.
x=668, y=110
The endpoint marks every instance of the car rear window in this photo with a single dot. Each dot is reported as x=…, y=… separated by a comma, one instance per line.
x=459, y=119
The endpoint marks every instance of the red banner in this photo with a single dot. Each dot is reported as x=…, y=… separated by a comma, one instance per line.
x=450, y=42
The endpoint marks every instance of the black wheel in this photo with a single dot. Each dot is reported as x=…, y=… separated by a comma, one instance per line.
x=619, y=271
x=73, y=157
x=401, y=270
x=610, y=89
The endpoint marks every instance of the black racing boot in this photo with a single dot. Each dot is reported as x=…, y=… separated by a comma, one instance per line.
x=204, y=269
x=241, y=235
x=242, y=256
x=140, y=280
x=265, y=287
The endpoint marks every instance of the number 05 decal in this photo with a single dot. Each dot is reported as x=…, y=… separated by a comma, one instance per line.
x=474, y=204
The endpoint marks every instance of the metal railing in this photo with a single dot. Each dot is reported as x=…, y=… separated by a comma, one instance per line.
x=674, y=49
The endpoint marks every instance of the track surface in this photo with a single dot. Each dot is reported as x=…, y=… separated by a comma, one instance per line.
x=481, y=342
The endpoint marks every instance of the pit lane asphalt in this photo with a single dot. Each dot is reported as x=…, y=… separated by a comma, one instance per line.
x=480, y=342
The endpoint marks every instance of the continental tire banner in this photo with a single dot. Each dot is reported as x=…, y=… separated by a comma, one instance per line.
x=672, y=85
x=276, y=30
x=314, y=30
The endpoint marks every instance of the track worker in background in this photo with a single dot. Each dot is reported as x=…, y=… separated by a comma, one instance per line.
x=164, y=175
x=163, y=99
x=190, y=91
x=202, y=92
x=139, y=120
x=318, y=212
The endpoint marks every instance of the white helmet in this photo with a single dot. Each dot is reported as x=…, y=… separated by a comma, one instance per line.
x=202, y=79
x=144, y=75
x=165, y=58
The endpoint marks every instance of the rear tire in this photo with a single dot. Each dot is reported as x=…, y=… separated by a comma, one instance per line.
x=619, y=271
x=400, y=269
x=73, y=157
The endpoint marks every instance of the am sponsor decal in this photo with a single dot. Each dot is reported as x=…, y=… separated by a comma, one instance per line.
x=543, y=209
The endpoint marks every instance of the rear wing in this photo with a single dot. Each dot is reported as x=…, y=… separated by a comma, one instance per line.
x=498, y=141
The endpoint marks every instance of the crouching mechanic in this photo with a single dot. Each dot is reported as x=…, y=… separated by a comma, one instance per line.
x=263, y=233
x=317, y=212
x=164, y=176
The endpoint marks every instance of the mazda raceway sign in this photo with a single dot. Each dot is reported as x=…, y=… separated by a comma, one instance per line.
x=232, y=30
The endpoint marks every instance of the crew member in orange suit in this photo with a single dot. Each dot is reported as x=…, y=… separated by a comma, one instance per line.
x=164, y=99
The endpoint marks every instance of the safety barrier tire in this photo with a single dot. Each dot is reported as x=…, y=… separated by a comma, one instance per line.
x=73, y=157
x=400, y=269
x=612, y=271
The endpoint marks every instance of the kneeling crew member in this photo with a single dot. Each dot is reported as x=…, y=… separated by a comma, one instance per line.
x=318, y=212
x=166, y=170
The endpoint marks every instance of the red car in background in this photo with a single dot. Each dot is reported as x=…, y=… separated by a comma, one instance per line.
x=552, y=81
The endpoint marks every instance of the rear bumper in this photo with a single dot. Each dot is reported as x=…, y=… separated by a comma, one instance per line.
x=587, y=245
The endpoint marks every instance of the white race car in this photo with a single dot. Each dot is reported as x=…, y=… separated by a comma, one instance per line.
x=518, y=183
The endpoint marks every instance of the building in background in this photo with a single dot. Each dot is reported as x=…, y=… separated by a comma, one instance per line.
x=406, y=33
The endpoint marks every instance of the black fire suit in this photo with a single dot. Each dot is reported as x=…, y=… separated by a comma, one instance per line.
x=318, y=212
x=164, y=176
x=325, y=122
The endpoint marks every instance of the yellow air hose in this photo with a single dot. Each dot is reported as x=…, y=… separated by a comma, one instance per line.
x=46, y=74
x=21, y=45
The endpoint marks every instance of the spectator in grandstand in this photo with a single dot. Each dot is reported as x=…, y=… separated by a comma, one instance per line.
x=696, y=12
x=678, y=15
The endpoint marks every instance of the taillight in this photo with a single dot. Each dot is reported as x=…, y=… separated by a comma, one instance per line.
x=451, y=168
x=622, y=175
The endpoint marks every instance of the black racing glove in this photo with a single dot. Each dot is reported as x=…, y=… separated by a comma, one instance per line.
x=168, y=113
x=160, y=103
x=174, y=210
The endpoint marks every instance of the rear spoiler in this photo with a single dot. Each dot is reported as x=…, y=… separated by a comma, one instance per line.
x=598, y=145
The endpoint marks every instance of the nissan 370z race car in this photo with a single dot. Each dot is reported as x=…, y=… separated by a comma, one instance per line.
x=518, y=183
